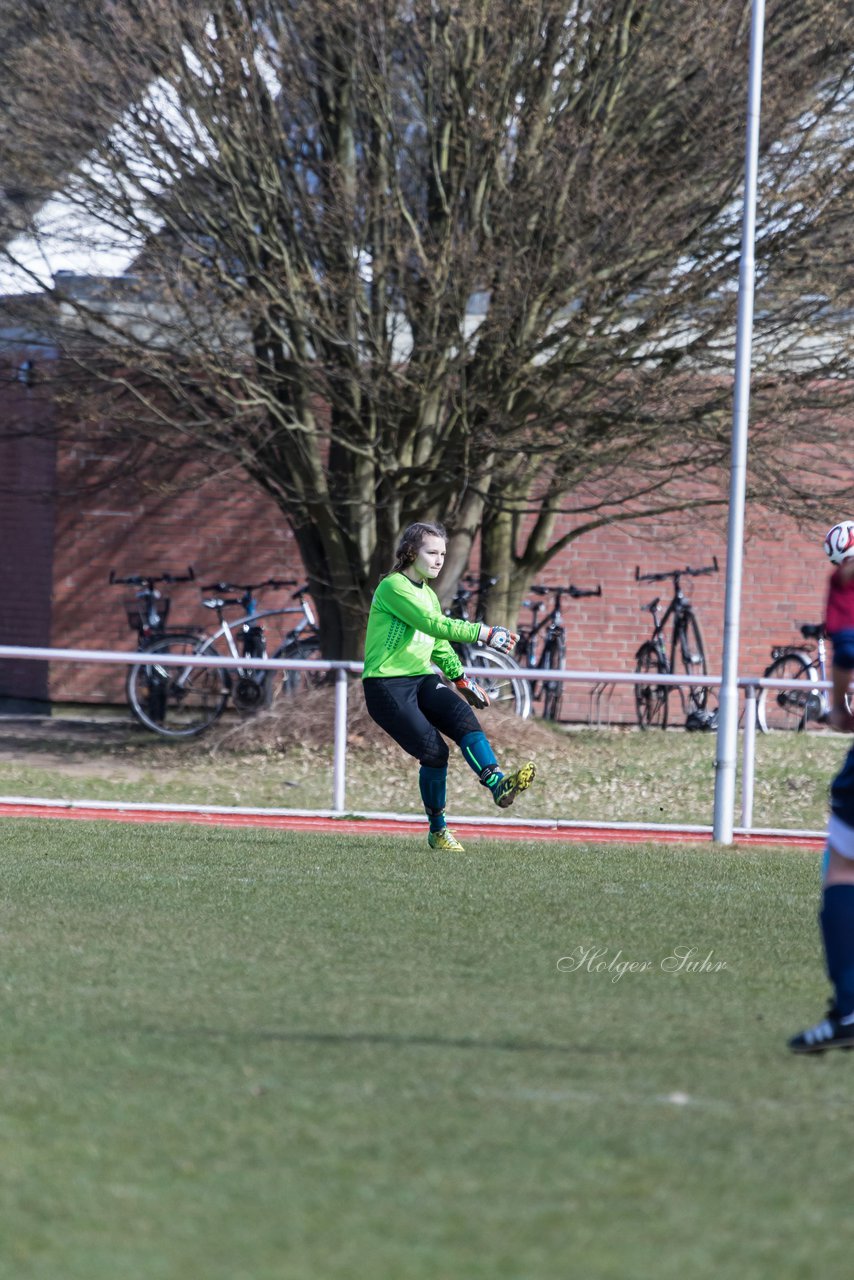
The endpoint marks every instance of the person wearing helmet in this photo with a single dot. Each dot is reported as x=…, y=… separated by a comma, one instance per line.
x=408, y=636
x=839, y=620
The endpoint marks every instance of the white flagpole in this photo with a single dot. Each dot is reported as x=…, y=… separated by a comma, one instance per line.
x=727, y=738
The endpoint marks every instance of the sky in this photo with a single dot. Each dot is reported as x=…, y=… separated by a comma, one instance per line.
x=65, y=241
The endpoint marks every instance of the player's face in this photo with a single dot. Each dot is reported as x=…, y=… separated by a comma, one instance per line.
x=431, y=556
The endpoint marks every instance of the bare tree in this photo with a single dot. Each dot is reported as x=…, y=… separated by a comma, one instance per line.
x=471, y=261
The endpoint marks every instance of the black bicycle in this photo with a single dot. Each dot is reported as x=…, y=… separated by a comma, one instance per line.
x=147, y=614
x=552, y=655
x=686, y=650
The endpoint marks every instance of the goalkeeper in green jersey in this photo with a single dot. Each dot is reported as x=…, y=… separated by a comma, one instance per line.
x=407, y=635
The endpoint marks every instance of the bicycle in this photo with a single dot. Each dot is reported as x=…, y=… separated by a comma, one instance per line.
x=147, y=614
x=793, y=708
x=552, y=656
x=686, y=650
x=194, y=697
x=502, y=690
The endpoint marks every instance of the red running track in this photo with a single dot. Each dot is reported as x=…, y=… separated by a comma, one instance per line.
x=508, y=830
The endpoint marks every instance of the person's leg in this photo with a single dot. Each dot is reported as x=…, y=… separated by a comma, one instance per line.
x=836, y=921
x=454, y=718
x=433, y=785
x=393, y=705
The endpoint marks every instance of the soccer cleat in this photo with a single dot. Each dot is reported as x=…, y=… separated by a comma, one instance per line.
x=506, y=791
x=445, y=840
x=830, y=1033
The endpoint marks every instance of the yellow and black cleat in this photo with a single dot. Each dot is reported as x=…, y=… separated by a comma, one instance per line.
x=512, y=784
x=445, y=840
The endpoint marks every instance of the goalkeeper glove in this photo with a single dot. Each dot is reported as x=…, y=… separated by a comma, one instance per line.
x=472, y=692
x=501, y=639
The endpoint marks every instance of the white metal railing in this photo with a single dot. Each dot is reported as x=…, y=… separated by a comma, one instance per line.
x=750, y=684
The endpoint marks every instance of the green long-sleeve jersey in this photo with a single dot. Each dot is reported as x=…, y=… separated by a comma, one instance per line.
x=407, y=631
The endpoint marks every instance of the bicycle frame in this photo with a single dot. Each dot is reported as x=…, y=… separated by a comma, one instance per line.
x=679, y=609
x=466, y=588
x=226, y=630
x=552, y=622
x=804, y=650
x=251, y=619
x=819, y=703
x=552, y=654
x=254, y=618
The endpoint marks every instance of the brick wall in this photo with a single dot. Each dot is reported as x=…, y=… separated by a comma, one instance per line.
x=27, y=511
x=56, y=559
x=784, y=582
x=224, y=528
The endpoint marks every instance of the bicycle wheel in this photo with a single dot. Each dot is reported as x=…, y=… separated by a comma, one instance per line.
x=553, y=660
x=689, y=655
x=788, y=708
x=177, y=701
x=497, y=681
x=651, y=699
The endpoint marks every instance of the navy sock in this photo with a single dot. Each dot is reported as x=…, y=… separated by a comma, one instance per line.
x=434, y=790
x=480, y=757
x=836, y=919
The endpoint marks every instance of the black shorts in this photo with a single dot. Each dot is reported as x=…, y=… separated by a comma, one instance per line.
x=416, y=711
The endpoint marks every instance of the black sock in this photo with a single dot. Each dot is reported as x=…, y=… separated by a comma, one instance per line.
x=836, y=919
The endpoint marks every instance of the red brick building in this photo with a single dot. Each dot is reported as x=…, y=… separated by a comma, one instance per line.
x=61, y=538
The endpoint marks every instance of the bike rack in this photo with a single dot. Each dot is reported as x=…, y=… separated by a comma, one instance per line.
x=603, y=690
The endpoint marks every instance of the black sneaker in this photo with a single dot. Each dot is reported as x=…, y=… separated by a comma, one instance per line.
x=702, y=721
x=828, y=1034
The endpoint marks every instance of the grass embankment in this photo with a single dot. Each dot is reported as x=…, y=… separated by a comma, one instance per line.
x=284, y=759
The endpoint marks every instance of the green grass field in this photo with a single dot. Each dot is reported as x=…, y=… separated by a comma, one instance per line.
x=259, y=1056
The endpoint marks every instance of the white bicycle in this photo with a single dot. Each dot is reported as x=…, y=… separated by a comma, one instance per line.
x=497, y=668
x=182, y=701
x=794, y=708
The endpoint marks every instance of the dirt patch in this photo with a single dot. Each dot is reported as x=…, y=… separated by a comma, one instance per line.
x=301, y=726
x=308, y=721
x=281, y=757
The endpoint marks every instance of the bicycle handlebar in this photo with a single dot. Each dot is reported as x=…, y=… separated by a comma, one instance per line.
x=146, y=580
x=274, y=583
x=675, y=574
x=575, y=592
